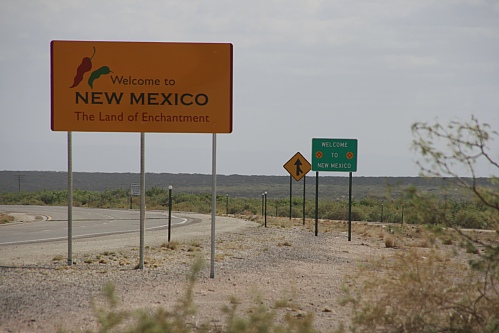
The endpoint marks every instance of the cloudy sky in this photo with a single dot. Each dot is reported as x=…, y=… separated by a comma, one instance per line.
x=303, y=69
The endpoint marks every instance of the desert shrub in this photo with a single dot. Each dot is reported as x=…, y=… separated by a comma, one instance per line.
x=53, y=197
x=4, y=218
x=173, y=245
x=260, y=318
x=374, y=216
x=246, y=207
x=369, y=202
x=389, y=241
x=469, y=219
x=424, y=292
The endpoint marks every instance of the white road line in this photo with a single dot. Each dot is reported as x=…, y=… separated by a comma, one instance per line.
x=183, y=220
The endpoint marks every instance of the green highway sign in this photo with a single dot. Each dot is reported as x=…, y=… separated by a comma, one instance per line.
x=334, y=155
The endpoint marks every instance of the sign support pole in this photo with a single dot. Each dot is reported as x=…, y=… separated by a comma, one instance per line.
x=169, y=212
x=213, y=202
x=70, y=199
x=304, y=179
x=265, y=196
x=142, y=198
x=350, y=207
x=316, y=203
x=298, y=167
x=290, y=195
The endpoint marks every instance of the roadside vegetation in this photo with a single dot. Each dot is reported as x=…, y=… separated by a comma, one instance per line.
x=4, y=218
x=425, y=290
x=424, y=287
x=462, y=213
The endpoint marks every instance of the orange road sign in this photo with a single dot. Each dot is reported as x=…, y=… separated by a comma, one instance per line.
x=102, y=86
x=297, y=166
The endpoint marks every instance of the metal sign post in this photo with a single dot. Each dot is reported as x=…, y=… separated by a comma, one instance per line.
x=304, y=180
x=265, y=209
x=290, y=197
x=142, y=199
x=350, y=206
x=70, y=199
x=316, y=203
x=169, y=212
x=213, y=202
x=298, y=167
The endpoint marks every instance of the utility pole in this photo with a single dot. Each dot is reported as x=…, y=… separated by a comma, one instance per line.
x=19, y=178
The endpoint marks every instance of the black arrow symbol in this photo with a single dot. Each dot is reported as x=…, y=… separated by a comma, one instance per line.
x=298, y=169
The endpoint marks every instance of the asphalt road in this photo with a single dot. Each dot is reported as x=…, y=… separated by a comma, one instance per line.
x=49, y=223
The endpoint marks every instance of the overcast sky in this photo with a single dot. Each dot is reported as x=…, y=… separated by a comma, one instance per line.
x=303, y=69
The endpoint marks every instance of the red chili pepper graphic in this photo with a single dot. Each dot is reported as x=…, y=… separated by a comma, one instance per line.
x=85, y=66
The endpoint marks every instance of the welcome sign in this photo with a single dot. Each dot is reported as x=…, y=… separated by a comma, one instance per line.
x=141, y=87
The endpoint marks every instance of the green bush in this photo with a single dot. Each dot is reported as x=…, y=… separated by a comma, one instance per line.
x=469, y=219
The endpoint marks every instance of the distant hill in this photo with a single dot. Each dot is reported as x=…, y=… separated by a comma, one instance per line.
x=333, y=187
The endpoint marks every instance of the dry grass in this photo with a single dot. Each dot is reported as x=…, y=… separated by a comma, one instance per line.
x=285, y=243
x=4, y=218
x=173, y=245
x=389, y=242
x=426, y=286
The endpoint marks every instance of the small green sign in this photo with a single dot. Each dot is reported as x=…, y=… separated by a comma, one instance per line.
x=334, y=155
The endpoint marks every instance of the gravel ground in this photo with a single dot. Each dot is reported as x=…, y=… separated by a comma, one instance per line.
x=40, y=293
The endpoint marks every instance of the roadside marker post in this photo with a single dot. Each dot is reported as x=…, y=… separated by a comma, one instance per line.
x=263, y=202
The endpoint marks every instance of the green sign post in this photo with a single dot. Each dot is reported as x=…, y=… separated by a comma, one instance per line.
x=334, y=155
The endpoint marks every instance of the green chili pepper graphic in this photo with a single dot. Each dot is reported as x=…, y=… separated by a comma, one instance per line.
x=97, y=73
x=85, y=66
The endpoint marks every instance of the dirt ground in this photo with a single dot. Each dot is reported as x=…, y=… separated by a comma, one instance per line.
x=284, y=267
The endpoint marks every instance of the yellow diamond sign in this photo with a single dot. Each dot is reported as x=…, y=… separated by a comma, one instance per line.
x=297, y=166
